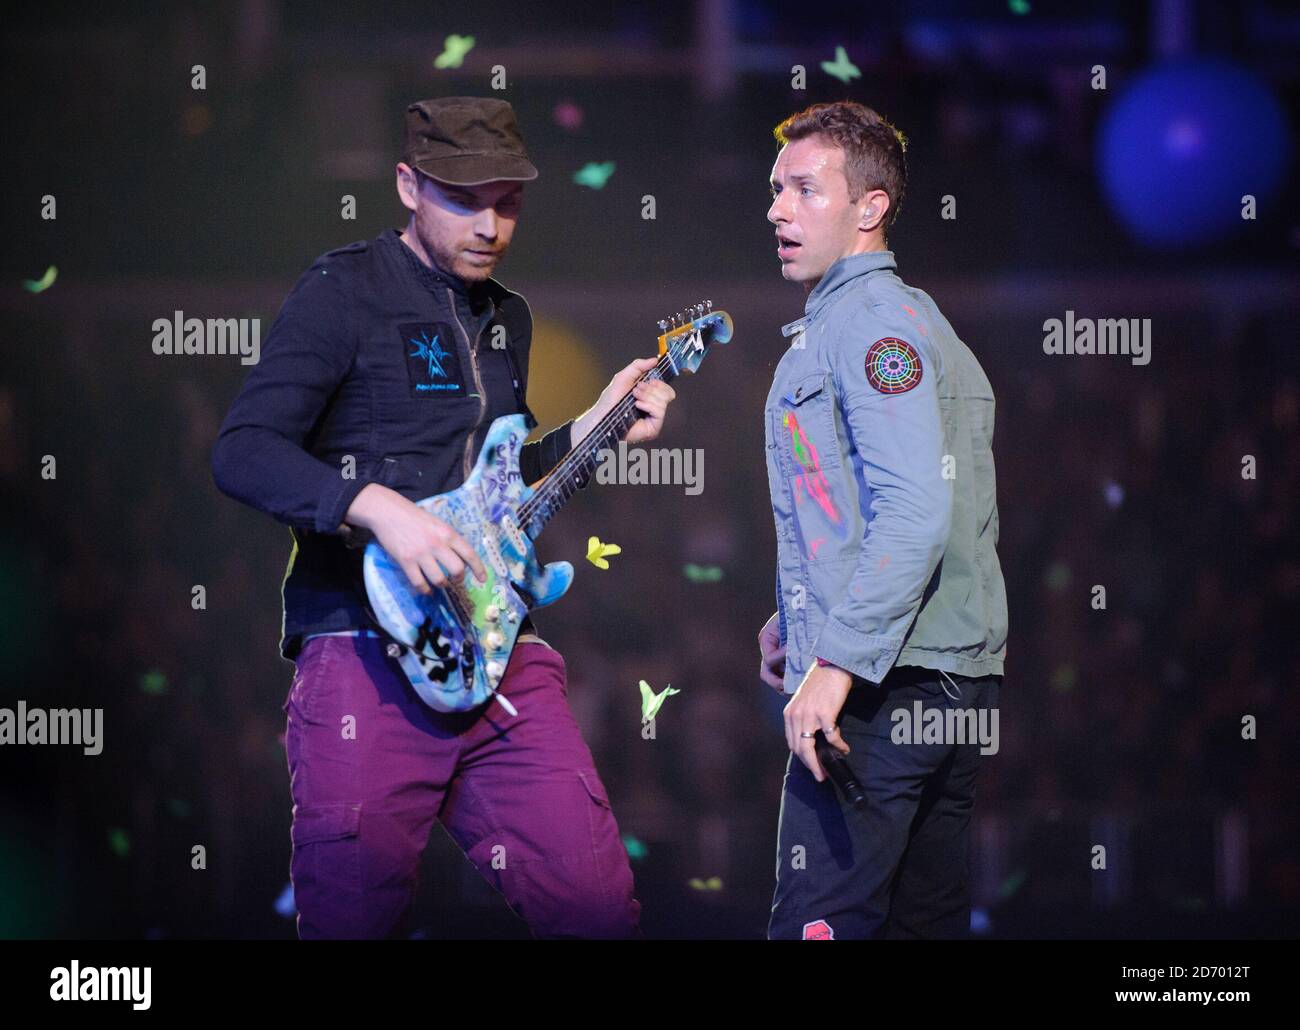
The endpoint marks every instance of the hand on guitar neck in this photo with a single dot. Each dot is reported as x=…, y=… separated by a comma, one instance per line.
x=652, y=399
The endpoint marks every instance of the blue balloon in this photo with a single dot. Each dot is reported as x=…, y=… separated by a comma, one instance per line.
x=1184, y=143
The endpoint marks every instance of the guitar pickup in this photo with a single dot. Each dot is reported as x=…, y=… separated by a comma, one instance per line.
x=494, y=556
x=512, y=531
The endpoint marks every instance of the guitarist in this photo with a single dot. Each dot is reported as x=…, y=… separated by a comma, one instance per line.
x=377, y=383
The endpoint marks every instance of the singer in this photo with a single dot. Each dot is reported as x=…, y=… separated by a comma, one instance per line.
x=879, y=428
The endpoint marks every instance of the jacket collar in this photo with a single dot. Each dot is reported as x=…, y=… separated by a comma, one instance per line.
x=844, y=271
x=434, y=277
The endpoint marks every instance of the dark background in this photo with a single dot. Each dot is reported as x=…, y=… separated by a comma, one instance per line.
x=1120, y=727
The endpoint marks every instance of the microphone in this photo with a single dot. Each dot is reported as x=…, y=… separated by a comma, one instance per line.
x=840, y=773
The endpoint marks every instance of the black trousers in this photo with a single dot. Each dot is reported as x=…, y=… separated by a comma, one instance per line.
x=899, y=866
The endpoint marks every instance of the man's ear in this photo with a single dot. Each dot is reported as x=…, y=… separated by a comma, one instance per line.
x=408, y=185
x=875, y=209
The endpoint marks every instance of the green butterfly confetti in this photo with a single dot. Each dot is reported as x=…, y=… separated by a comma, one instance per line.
x=153, y=682
x=636, y=851
x=702, y=573
x=652, y=702
x=593, y=174
x=43, y=283
x=119, y=841
x=841, y=68
x=454, y=49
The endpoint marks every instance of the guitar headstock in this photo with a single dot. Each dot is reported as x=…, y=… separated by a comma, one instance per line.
x=687, y=335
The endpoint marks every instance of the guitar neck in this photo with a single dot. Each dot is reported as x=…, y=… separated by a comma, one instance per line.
x=577, y=467
x=682, y=345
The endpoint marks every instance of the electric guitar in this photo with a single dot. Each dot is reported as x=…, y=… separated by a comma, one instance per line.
x=454, y=644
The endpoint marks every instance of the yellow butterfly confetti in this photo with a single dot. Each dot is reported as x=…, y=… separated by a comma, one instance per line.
x=454, y=49
x=652, y=702
x=713, y=883
x=596, y=552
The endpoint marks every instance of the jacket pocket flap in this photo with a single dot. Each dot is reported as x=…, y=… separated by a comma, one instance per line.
x=312, y=823
x=808, y=386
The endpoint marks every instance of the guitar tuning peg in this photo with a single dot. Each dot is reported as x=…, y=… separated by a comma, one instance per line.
x=663, y=326
x=708, y=304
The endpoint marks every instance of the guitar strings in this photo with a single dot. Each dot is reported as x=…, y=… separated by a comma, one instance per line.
x=554, y=482
x=455, y=591
x=624, y=407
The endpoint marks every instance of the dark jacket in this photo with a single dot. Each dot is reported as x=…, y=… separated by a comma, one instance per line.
x=377, y=369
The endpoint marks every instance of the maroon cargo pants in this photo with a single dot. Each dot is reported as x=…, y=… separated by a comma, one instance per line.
x=372, y=767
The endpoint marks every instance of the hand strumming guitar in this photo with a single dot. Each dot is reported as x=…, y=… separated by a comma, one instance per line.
x=428, y=550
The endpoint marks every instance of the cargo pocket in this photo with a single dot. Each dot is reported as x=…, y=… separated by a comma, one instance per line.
x=607, y=846
x=618, y=911
x=327, y=846
x=312, y=669
x=595, y=790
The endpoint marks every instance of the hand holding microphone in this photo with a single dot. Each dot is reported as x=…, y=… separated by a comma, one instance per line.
x=838, y=769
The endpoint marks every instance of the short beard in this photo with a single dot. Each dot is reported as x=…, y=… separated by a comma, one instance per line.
x=447, y=260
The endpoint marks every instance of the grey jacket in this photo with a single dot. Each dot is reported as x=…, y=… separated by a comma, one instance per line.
x=879, y=429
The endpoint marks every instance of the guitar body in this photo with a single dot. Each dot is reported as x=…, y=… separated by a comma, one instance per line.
x=454, y=644
x=459, y=641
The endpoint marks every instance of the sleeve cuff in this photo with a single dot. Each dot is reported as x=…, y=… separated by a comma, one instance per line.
x=551, y=449
x=335, y=501
x=864, y=655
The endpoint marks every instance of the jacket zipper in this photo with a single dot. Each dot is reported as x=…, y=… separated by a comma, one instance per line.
x=478, y=383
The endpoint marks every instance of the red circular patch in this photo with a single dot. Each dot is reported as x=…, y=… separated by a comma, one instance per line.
x=893, y=366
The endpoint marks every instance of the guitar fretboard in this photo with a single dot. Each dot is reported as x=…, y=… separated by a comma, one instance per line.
x=577, y=467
